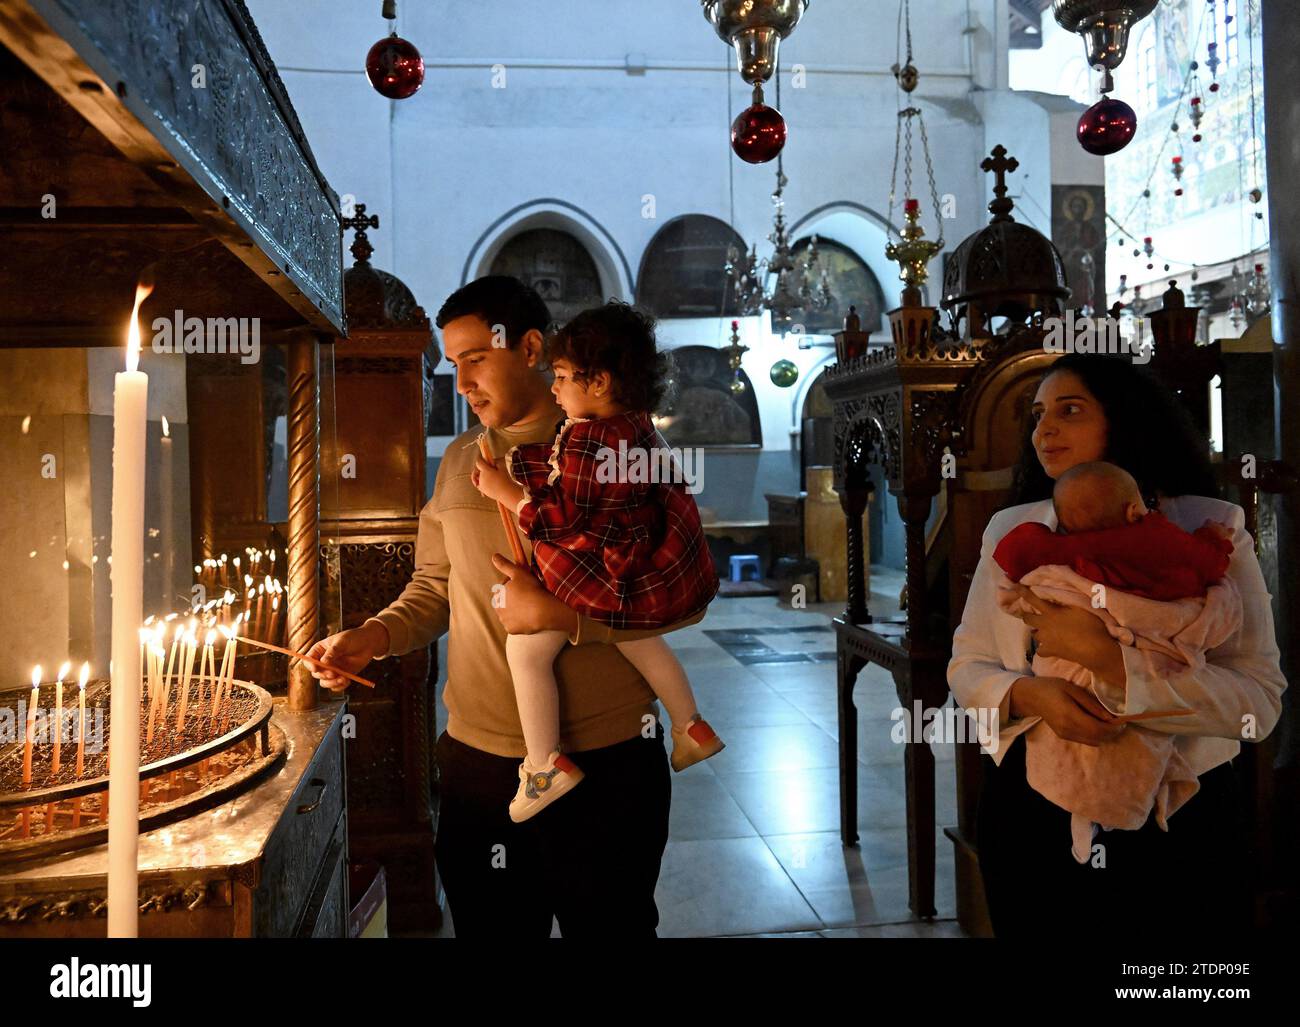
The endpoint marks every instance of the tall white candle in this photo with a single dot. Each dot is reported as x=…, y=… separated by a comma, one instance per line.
x=130, y=407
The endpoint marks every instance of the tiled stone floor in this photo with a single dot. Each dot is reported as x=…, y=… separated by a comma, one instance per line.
x=754, y=846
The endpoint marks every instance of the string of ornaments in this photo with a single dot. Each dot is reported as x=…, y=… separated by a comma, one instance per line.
x=1251, y=293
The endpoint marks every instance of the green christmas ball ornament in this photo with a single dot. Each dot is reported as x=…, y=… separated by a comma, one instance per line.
x=784, y=373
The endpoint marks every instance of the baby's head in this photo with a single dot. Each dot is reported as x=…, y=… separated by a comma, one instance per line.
x=1097, y=495
x=605, y=362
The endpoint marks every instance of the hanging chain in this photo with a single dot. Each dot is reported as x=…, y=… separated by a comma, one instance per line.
x=907, y=18
x=907, y=153
x=906, y=115
x=893, y=179
x=929, y=167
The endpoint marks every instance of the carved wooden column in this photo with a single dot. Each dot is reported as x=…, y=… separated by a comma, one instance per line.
x=854, y=503
x=371, y=513
x=303, y=437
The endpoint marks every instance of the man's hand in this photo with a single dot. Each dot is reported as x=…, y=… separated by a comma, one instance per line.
x=526, y=607
x=1069, y=709
x=351, y=650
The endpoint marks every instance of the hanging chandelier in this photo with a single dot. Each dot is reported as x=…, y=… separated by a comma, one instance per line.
x=800, y=284
x=912, y=251
x=755, y=29
x=1108, y=125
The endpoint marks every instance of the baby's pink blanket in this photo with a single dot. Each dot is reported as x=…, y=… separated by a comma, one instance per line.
x=1117, y=784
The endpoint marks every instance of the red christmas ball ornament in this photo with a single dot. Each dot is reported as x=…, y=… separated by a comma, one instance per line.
x=758, y=134
x=1106, y=127
x=395, y=67
x=1214, y=87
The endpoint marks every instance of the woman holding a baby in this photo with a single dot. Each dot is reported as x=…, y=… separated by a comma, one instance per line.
x=1119, y=621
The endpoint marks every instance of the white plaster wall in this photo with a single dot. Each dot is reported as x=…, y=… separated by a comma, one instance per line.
x=574, y=135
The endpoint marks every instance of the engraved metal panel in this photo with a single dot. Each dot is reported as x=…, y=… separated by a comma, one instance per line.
x=237, y=134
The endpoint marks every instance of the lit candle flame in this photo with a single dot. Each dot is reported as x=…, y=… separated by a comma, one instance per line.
x=63, y=671
x=166, y=428
x=133, y=331
x=36, y=676
x=212, y=637
x=84, y=676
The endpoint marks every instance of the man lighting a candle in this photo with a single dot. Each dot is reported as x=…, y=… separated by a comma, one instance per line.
x=592, y=865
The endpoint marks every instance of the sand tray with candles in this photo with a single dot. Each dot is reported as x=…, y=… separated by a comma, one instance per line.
x=214, y=756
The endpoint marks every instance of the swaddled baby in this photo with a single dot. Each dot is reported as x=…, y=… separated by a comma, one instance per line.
x=1156, y=587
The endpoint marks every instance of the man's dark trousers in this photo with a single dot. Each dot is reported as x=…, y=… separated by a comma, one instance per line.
x=590, y=859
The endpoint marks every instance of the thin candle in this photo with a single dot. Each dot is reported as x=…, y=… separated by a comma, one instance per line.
x=30, y=741
x=58, y=715
x=171, y=666
x=187, y=666
x=217, y=693
x=156, y=654
x=81, y=737
x=228, y=677
x=82, y=678
x=209, y=662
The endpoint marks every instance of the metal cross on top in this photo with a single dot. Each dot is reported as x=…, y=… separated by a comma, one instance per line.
x=361, y=248
x=1000, y=164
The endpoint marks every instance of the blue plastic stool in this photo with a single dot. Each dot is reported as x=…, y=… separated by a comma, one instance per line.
x=740, y=562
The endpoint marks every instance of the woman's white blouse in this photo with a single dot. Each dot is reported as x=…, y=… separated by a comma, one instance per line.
x=1237, y=695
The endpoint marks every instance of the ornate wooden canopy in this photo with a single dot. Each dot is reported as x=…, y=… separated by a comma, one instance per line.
x=135, y=134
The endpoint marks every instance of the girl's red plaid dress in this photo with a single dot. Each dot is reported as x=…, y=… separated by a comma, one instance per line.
x=607, y=541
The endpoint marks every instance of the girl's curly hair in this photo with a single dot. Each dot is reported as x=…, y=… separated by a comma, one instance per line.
x=619, y=339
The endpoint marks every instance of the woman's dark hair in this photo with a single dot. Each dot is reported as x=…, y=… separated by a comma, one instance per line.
x=498, y=300
x=1149, y=433
x=619, y=339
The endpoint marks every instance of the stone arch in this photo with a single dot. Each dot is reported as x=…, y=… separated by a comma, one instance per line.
x=559, y=215
x=682, y=271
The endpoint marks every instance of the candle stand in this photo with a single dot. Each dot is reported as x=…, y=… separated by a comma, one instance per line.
x=206, y=763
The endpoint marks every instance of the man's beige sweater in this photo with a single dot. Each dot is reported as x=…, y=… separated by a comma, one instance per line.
x=603, y=700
